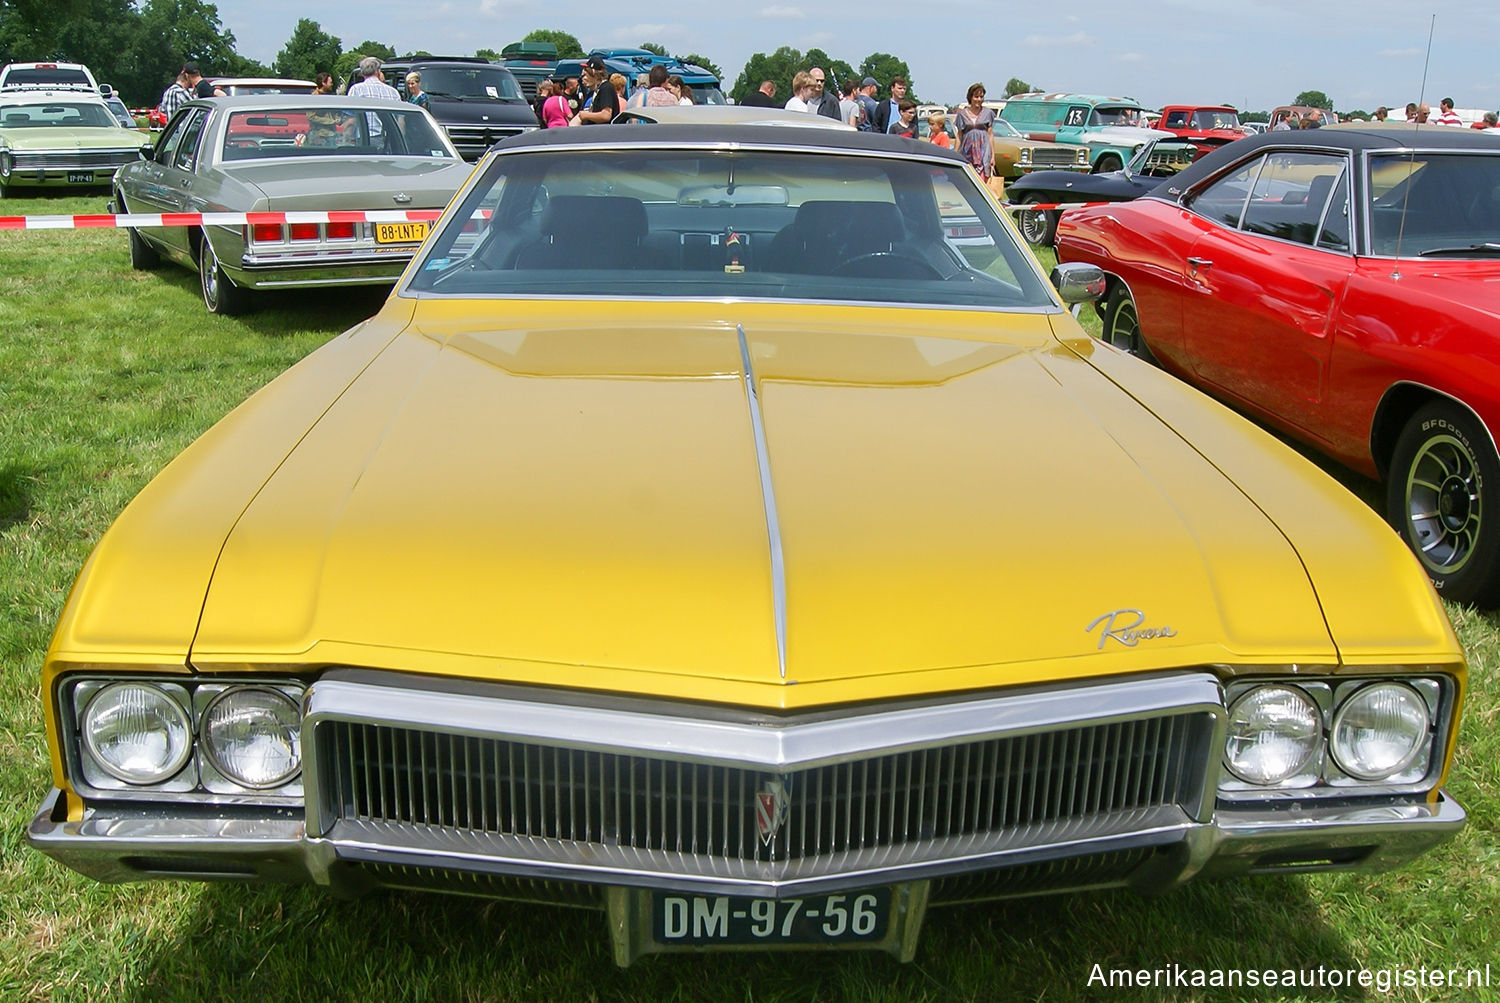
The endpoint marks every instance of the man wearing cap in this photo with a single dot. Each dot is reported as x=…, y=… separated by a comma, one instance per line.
x=867, y=105
x=606, y=101
x=195, y=83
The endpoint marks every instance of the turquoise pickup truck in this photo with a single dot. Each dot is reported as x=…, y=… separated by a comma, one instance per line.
x=1113, y=128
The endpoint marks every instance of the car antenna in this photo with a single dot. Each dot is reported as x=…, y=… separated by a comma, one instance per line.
x=1412, y=153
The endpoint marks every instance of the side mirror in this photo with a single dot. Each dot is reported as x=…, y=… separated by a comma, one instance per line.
x=147, y=151
x=1077, y=282
x=105, y=90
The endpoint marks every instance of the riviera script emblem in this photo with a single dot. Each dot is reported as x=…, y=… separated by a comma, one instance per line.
x=1127, y=627
x=771, y=808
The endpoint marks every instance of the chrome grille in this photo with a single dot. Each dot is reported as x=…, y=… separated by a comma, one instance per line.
x=476, y=139
x=1022, y=786
x=1053, y=158
x=75, y=160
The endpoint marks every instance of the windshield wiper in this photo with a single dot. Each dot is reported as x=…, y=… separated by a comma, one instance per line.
x=1488, y=247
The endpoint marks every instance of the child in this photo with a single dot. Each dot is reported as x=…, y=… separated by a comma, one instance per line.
x=937, y=130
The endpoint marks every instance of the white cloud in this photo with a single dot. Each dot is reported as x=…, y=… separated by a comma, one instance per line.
x=1053, y=41
x=1131, y=57
x=780, y=12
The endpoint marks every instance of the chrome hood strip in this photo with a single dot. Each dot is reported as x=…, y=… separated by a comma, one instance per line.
x=768, y=497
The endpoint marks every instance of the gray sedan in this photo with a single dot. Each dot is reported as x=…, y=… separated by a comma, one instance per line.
x=288, y=154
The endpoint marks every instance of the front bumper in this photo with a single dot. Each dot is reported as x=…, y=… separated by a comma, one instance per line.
x=507, y=792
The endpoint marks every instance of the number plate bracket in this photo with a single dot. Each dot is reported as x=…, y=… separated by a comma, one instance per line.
x=634, y=918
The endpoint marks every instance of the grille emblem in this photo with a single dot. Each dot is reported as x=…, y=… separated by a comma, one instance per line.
x=771, y=807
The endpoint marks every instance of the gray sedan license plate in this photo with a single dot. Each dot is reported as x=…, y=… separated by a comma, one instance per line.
x=80, y=177
x=400, y=233
x=704, y=920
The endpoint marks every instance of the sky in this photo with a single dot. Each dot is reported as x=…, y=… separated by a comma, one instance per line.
x=1253, y=54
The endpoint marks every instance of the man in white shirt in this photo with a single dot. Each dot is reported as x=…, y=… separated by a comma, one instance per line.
x=373, y=86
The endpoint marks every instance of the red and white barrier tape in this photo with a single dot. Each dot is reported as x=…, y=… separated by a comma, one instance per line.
x=137, y=219
x=105, y=221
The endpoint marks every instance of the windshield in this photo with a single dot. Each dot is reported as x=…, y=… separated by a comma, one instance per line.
x=1160, y=159
x=1116, y=116
x=1215, y=120
x=1004, y=128
x=742, y=224
x=470, y=83
x=329, y=128
x=1427, y=203
x=60, y=115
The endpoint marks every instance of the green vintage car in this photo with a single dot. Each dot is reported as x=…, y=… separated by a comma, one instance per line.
x=61, y=139
x=288, y=153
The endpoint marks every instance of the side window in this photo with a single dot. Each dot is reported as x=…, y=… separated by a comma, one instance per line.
x=1335, y=232
x=187, y=150
x=166, y=146
x=1224, y=200
x=1077, y=116
x=1176, y=120
x=1290, y=194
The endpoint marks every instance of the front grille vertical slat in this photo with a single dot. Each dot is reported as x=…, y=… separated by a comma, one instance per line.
x=1019, y=783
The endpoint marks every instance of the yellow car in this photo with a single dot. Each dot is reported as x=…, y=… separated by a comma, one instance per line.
x=701, y=534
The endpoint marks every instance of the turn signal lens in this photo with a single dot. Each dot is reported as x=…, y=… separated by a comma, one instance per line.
x=1274, y=732
x=137, y=733
x=1379, y=731
x=266, y=233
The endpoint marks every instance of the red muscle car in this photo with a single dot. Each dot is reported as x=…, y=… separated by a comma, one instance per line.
x=1339, y=285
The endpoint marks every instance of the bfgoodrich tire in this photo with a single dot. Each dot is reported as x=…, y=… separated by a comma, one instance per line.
x=1122, y=324
x=1443, y=497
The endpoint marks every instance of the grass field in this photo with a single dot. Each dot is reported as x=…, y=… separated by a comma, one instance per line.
x=106, y=373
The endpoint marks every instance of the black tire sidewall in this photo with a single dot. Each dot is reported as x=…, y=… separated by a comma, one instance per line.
x=1478, y=581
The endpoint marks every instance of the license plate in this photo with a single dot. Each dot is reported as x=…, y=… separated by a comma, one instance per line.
x=847, y=917
x=80, y=177
x=400, y=233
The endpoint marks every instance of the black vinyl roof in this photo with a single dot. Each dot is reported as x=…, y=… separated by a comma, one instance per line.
x=1355, y=137
x=787, y=137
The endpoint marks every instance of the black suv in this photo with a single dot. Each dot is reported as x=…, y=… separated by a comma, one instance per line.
x=478, y=102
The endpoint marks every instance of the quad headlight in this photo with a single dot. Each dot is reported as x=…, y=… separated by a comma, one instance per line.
x=137, y=732
x=1331, y=736
x=1379, y=731
x=1274, y=733
x=183, y=735
x=250, y=735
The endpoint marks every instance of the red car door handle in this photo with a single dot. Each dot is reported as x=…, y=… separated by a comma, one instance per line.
x=1199, y=262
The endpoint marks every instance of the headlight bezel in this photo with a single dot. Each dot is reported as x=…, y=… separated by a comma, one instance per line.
x=101, y=770
x=198, y=779
x=215, y=774
x=1434, y=684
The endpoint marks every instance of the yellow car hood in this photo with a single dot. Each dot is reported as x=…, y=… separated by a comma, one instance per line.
x=582, y=504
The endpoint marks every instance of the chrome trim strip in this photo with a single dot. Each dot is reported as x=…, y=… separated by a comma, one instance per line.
x=768, y=500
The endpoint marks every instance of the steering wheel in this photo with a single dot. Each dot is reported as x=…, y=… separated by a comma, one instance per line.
x=887, y=265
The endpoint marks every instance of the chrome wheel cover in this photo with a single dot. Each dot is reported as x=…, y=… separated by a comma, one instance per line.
x=1442, y=503
x=1034, y=223
x=208, y=275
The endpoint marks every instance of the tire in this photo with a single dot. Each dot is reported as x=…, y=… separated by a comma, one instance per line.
x=1038, y=226
x=220, y=295
x=1108, y=162
x=1443, y=497
x=1122, y=324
